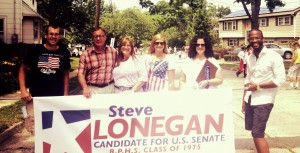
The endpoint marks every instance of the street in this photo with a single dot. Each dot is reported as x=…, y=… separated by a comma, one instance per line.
x=282, y=133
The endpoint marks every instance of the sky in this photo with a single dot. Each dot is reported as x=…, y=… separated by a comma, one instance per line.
x=124, y=4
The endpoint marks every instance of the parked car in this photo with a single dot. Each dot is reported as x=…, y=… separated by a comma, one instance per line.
x=284, y=52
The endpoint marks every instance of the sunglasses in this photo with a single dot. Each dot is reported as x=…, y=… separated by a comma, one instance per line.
x=198, y=45
x=159, y=43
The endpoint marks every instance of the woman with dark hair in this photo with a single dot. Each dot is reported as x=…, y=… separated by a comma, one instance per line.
x=160, y=66
x=130, y=73
x=201, y=69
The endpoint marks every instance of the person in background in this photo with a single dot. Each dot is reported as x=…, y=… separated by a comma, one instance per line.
x=294, y=70
x=266, y=73
x=160, y=66
x=48, y=66
x=96, y=65
x=130, y=73
x=200, y=51
x=243, y=55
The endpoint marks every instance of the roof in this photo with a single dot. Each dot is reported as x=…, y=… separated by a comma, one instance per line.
x=288, y=9
x=29, y=12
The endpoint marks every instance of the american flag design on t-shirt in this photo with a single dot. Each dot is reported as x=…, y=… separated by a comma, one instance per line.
x=157, y=79
x=48, y=62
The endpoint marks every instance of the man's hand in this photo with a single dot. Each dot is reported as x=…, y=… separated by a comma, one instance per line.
x=26, y=96
x=250, y=87
x=87, y=93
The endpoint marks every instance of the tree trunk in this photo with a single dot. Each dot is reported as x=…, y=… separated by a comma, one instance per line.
x=52, y=11
x=255, y=8
x=97, y=14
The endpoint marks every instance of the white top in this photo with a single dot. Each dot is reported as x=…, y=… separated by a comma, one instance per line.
x=267, y=67
x=129, y=72
x=157, y=72
x=191, y=68
x=243, y=55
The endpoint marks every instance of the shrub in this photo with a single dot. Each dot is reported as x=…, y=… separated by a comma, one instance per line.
x=8, y=75
x=216, y=56
x=227, y=57
x=8, y=83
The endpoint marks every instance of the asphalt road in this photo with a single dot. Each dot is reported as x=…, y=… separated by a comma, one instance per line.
x=282, y=133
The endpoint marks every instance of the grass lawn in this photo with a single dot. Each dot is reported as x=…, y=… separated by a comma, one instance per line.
x=73, y=82
x=11, y=114
x=74, y=63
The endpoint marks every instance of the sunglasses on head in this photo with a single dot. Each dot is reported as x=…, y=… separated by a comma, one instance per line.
x=159, y=43
x=198, y=45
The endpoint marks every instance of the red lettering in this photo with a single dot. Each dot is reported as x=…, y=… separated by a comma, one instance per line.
x=209, y=120
x=179, y=127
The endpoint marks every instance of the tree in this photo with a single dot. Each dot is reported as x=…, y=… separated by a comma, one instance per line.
x=222, y=11
x=75, y=16
x=130, y=22
x=255, y=9
x=97, y=14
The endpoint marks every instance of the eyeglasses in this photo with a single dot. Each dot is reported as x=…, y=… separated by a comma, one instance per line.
x=99, y=36
x=53, y=34
x=200, y=45
x=159, y=43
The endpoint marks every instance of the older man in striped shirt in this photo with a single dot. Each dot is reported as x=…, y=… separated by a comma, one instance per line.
x=96, y=65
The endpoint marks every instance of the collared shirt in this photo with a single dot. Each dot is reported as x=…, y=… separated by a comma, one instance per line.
x=267, y=67
x=97, y=67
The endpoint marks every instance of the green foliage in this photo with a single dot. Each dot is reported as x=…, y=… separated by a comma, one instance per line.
x=9, y=75
x=11, y=114
x=130, y=22
x=8, y=83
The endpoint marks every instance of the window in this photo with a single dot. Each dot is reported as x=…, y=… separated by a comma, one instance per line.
x=263, y=22
x=1, y=30
x=230, y=25
x=232, y=42
x=269, y=41
x=285, y=20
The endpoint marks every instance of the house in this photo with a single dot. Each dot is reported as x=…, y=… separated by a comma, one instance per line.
x=282, y=26
x=20, y=22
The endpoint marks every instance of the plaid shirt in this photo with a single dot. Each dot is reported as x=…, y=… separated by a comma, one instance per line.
x=97, y=67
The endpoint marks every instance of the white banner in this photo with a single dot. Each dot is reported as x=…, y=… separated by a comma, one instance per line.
x=170, y=122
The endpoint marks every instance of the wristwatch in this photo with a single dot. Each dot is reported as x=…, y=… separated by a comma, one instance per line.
x=258, y=87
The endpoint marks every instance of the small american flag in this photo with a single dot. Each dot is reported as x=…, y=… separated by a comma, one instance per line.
x=157, y=77
x=48, y=62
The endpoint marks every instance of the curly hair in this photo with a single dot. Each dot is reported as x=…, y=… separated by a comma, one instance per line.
x=208, y=47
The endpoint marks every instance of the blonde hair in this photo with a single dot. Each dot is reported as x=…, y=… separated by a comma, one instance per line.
x=154, y=39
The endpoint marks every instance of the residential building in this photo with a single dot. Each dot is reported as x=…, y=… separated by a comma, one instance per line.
x=282, y=26
x=20, y=22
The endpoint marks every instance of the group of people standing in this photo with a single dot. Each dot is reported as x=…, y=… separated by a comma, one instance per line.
x=102, y=69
